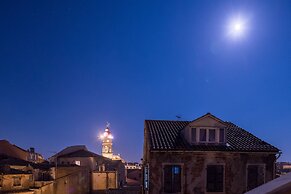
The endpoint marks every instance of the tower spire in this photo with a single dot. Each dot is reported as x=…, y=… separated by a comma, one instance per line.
x=107, y=143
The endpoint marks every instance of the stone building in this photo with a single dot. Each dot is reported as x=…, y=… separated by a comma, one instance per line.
x=206, y=155
x=104, y=173
x=17, y=175
x=17, y=152
x=13, y=180
x=283, y=168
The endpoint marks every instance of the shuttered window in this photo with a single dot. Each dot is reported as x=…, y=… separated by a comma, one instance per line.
x=193, y=135
x=172, y=178
x=203, y=135
x=255, y=175
x=211, y=136
x=215, y=178
x=221, y=136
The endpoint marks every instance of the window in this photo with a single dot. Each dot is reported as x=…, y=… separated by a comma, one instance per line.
x=78, y=162
x=16, y=181
x=215, y=178
x=221, y=136
x=203, y=135
x=207, y=135
x=193, y=135
x=172, y=178
x=211, y=136
x=255, y=176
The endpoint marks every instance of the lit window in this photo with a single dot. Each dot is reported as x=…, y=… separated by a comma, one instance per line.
x=78, y=162
x=16, y=181
x=172, y=178
x=203, y=135
x=255, y=176
x=215, y=178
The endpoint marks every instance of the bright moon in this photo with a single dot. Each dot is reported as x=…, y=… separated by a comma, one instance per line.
x=237, y=27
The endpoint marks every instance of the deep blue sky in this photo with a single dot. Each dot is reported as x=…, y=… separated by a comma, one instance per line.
x=66, y=68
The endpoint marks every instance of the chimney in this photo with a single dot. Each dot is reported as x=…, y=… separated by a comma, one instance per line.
x=31, y=150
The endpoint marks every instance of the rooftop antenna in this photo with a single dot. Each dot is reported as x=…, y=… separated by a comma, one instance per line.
x=107, y=124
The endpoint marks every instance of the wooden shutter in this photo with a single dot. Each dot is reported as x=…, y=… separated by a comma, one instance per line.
x=168, y=178
x=221, y=135
x=176, y=171
x=215, y=178
x=172, y=178
x=193, y=135
x=252, y=177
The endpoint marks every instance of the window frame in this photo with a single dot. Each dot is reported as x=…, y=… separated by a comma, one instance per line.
x=255, y=164
x=17, y=185
x=215, y=136
x=223, y=188
x=182, y=176
x=197, y=135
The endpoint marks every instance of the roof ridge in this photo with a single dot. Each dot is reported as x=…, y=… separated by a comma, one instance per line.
x=166, y=120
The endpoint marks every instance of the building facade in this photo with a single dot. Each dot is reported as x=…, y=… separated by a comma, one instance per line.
x=14, y=151
x=206, y=155
x=104, y=173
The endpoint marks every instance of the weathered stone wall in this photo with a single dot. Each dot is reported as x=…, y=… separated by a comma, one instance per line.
x=104, y=180
x=76, y=182
x=7, y=182
x=194, y=166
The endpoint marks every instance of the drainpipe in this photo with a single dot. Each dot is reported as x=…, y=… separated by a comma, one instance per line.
x=275, y=166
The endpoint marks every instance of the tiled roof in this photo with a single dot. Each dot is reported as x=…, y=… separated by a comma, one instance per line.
x=165, y=135
x=8, y=160
x=9, y=171
x=79, y=153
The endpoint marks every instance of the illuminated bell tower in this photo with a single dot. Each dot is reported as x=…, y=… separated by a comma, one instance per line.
x=107, y=138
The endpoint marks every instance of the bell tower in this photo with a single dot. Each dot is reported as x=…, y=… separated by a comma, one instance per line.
x=107, y=138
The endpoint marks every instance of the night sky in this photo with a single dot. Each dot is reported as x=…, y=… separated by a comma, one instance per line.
x=68, y=67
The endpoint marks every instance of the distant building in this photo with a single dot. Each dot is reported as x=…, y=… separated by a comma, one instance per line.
x=14, y=151
x=133, y=165
x=104, y=172
x=283, y=168
x=13, y=180
x=206, y=155
x=133, y=173
x=21, y=169
x=107, y=145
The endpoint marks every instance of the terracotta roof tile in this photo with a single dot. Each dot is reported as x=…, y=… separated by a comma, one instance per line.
x=165, y=135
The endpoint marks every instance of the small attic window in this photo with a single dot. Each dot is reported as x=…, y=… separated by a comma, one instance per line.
x=211, y=135
x=202, y=136
x=221, y=135
x=207, y=135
